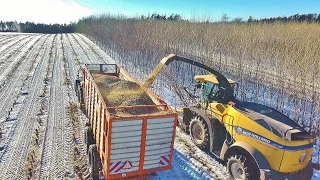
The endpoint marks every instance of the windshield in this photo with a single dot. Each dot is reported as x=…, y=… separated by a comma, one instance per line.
x=208, y=90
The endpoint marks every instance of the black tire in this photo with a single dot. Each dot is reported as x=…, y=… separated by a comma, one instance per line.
x=94, y=161
x=199, y=133
x=1, y=129
x=80, y=96
x=241, y=166
x=76, y=84
x=88, y=137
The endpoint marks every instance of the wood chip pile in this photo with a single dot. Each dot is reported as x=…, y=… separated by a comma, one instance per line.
x=118, y=92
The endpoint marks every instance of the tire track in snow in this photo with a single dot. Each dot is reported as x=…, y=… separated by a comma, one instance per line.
x=14, y=158
x=53, y=157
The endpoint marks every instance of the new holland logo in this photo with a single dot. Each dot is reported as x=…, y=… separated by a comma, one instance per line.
x=239, y=130
x=302, y=157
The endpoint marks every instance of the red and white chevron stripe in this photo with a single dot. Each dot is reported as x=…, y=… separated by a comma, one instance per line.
x=164, y=160
x=115, y=167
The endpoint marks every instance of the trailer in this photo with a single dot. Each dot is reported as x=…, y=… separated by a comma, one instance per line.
x=130, y=141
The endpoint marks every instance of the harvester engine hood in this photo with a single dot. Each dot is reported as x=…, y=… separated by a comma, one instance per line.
x=274, y=121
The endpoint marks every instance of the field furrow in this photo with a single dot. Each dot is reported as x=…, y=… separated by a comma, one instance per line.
x=9, y=63
x=7, y=44
x=78, y=49
x=97, y=49
x=14, y=83
x=62, y=135
x=52, y=160
x=28, y=107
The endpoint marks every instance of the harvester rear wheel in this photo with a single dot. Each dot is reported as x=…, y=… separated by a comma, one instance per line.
x=199, y=132
x=241, y=166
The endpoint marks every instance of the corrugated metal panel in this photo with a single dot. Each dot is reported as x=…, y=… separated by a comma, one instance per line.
x=149, y=166
x=161, y=131
x=126, y=150
x=118, y=157
x=126, y=144
x=161, y=152
x=126, y=123
x=125, y=139
x=126, y=129
x=156, y=136
x=124, y=155
x=120, y=134
x=158, y=141
x=152, y=162
x=160, y=120
x=158, y=146
x=160, y=125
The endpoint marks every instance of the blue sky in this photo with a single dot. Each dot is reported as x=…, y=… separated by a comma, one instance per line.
x=66, y=11
x=204, y=8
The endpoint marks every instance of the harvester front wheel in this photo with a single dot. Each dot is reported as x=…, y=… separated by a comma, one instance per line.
x=199, y=132
x=242, y=167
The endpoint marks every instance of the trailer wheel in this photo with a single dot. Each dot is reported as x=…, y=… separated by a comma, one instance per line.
x=241, y=166
x=88, y=137
x=1, y=128
x=79, y=95
x=199, y=132
x=94, y=161
x=76, y=84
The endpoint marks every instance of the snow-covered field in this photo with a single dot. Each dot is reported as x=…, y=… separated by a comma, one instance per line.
x=42, y=134
x=40, y=138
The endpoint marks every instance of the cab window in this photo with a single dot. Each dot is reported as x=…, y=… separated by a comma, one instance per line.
x=208, y=90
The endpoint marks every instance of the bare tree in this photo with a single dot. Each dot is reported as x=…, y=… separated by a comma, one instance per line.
x=225, y=18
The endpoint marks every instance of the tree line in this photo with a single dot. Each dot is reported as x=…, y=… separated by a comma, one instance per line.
x=156, y=16
x=31, y=27
x=312, y=17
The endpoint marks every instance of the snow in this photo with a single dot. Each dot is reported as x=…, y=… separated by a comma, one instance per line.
x=27, y=98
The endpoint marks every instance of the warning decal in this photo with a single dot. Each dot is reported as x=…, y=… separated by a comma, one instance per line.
x=164, y=160
x=127, y=165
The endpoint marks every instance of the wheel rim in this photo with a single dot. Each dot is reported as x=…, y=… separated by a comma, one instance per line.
x=197, y=132
x=237, y=171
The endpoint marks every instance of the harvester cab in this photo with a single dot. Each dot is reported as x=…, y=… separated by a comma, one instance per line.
x=255, y=141
x=210, y=89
